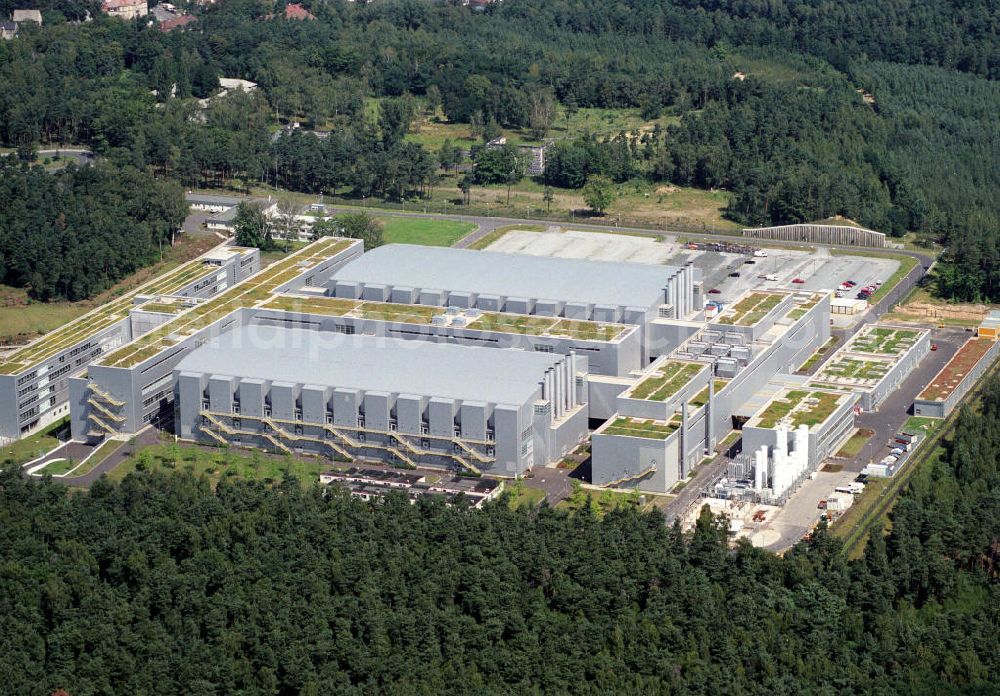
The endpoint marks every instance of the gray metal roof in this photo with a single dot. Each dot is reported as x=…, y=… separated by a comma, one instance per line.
x=510, y=275
x=300, y=356
x=227, y=215
x=210, y=199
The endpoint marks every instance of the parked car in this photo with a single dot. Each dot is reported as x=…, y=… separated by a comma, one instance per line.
x=734, y=274
x=934, y=346
x=714, y=291
x=850, y=283
x=798, y=281
x=760, y=254
x=770, y=276
x=749, y=261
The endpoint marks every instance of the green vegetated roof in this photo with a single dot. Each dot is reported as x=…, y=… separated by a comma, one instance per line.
x=106, y=315
x=800, y=406
x=883, y=340
x=952, y=374
x=249, y=293
x=856, y=368
x=665, y=381
x=638, y=427
x=751, y=309
x=701, y=398
x=424, y=314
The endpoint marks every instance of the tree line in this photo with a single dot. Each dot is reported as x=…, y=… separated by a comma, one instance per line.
x=161, y=583
x=817, y=127
x=75, y=232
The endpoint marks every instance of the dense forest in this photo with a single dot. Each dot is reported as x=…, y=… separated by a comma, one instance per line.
x=887, y=114
x=161, y=584
x=73, y=233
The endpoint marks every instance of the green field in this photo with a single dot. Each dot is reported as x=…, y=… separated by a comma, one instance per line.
x=523, y=496
x=855, y=443
x=426, y=231
x=23, y=321
x=217, y=464
x=58, y=467
x=921, y=425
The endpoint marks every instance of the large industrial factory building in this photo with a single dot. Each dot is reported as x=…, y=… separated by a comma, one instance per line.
x=478, y=362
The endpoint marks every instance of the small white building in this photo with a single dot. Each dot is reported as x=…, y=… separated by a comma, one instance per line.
x=125, y=9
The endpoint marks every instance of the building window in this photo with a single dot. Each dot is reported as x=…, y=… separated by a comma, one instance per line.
x=298, y=429
x=298, y=414
x=425, y=429
x=237, y=422
x=491, y=451
x=361, y=420
x=361, y=437
x=393, y=426
x=205, y=405
x=267, y=410
x=329, y=418
x=458, y=431
x=456, y=448
x=541, y=348
x=490, y=435
x=425, y=443
x=236, y=407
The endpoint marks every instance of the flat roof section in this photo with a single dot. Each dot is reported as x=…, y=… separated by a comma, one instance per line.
x=952, y=374
x=373, y=364
x=750, y=309
x=883, y=340
x=640, y=427
x=248, y=293
x=666, y=380
x=797, y=407
x=510, y=275
x=425, y=314
x=97, y=320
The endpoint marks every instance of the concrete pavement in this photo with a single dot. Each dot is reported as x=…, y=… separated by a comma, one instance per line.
x=895, y=409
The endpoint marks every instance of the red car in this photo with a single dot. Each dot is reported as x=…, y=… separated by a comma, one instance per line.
x=934, y=346
x=798, y=281
x=714, y=291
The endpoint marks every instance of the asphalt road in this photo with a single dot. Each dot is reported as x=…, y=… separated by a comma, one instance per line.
x=487, y=223
x=691, y=493
x=895, y=409
x=79, y=155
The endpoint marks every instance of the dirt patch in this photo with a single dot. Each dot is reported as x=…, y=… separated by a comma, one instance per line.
x=669, y=188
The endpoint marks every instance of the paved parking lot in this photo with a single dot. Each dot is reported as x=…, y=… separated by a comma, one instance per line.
x=820, y=270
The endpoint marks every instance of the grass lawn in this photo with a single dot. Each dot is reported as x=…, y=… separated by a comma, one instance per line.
x=523, y=496
x=58, y=467
x=36, y=445
x=217, y=464
x=102, y=453
x=427, y=231
x=921, y=425
x=855, y=443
